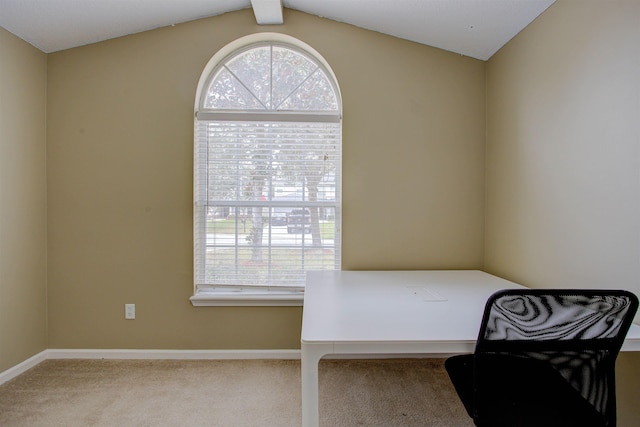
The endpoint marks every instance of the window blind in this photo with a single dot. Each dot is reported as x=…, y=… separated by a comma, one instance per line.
x=267, y=201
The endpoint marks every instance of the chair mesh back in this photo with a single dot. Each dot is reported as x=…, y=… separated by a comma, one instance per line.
x=578, y=332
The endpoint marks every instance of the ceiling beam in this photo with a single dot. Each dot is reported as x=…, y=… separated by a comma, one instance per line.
x=268, y=12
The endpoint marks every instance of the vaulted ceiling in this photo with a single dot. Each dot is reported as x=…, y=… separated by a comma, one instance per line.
x=475, y=28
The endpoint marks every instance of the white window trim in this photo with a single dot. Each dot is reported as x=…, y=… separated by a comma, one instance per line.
x=238, y=296
x=225, y=296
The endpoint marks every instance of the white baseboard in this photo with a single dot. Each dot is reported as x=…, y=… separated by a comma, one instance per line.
x=57, y=354
x=147, y=354
x=22, y=367
x=173, y=354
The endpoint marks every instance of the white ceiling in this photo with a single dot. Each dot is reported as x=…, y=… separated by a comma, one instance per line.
x=475, y=28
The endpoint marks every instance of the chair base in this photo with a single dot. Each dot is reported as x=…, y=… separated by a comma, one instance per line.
x=510, y=398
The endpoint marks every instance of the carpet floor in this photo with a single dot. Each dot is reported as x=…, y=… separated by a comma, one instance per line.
x=233, y=393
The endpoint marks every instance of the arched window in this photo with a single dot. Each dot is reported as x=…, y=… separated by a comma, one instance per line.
x=267, y=172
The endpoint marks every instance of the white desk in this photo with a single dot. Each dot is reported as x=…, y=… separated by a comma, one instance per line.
x=393, y=312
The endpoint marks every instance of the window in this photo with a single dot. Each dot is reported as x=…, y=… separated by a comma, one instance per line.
x=267, y=173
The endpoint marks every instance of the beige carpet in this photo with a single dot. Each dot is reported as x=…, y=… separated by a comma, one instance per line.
x=385, y=393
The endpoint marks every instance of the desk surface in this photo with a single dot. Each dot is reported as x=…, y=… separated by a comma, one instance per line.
x=356, y=307
x=394, y=312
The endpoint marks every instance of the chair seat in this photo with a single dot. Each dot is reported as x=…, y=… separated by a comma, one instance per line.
x=518, y=392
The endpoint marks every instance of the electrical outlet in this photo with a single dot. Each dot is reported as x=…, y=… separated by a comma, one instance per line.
x=130, y=311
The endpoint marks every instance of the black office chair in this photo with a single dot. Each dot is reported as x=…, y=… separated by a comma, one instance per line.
x=545, y=358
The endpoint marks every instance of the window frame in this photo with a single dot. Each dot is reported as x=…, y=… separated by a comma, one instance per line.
x=252, y=295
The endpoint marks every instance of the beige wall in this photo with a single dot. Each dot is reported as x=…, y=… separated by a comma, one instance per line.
x=120, y=138
x=562, y=161
x=563, y=149
x=23, y=310
x=563, y=157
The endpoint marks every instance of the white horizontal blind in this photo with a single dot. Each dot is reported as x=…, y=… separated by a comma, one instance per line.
x=267, y=202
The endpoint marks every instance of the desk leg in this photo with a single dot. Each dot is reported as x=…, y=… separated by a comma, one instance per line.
x=311, y=355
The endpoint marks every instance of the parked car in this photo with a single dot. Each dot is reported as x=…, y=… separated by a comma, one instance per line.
x=299, y=221
x=279, y=218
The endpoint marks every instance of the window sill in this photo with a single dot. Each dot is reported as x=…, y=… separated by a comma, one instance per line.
x=262, y=298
